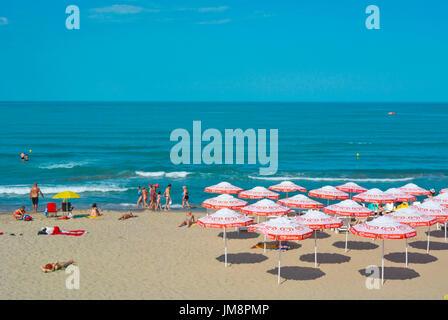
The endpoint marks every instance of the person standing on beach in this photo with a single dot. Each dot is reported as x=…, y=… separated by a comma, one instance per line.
x=185, y=198
x=34, y=196
x=145, y=197
x=167, y=195
x=140, y=196
x=151, y=196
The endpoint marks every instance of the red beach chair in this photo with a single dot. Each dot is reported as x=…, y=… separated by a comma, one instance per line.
x=51, y=209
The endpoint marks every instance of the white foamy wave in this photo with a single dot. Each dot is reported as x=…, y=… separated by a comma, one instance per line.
x=176, y=206
x=19, y=190
x=127, y=205
x=334, y=179
x=155, y=174
x=67, y=165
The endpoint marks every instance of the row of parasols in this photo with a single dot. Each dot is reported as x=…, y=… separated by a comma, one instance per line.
x=234, y=212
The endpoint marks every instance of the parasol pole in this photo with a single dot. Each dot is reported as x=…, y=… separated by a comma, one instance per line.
x=406, y=252
x=382, y=265
x=315, y=248
x=279, y=252
x=429, y=231
x=225, y=248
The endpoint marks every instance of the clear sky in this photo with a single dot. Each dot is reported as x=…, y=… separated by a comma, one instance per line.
x=224, y=50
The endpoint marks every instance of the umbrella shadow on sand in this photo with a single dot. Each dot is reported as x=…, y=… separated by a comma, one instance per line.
x=356, y=245
x=239, y=235
x=392, y=273
x=322, y=235
x=242, y=258
x=436, y=233
x=327, y=258
x=432, y=245
x=413, y=257
x=298, y=273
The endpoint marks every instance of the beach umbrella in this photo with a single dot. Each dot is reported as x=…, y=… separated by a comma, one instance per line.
x=351, y=187
x=329, y=193
x=433, y=209
x=301, y=201
x=281, y=229
x=413, y=218
x=223, y=219
x=317, y=220
x=400, y=195
x=223, y=187
x=441, y=199
x=224, y=201
x=374, y=196
x=348, y=208
x=287, y=186
x=444, y=190
x=383, y=228
x=265, y=207
x=258, y=193
x=66, y=195
x=414, y=190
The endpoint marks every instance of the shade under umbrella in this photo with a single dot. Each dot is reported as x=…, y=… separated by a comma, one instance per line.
x=301, y=201
x=258, y=193
x=280, y=229
x=223, y=219
x=317, y=220
x=415, y=190
x=223, y=187
x=413, y=218
x=348, y=208
x=224, y=201
x=383, y=228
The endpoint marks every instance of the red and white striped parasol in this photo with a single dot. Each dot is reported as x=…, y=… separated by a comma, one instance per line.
x=415, y=190
x=265, y=207
x=223, y=219
x=301, y=201
x=329, y=193
x=351, y=187
x=444, y=190
x=224, y=201
x=287, y=186
x=348, y=208
x=434, y=209
x=441, y=199
x=374, y=196
x=280, y=229
x=383, y=228
x=400, y=195
x=317, y=220
x=413, y=218
x=258, y=193
x=223, y=187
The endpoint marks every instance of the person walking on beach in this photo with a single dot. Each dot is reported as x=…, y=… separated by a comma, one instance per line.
x=34, y=196
x=159, y=198
x=151, y=197
x=145, y=197
x=185, y=198
x=167, y=195
x=140, y=196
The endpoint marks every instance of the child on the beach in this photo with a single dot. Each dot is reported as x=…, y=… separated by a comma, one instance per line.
x=159, y=198
x=189, y=220
x=95, y=212
x=19, y=213
x=49, y=267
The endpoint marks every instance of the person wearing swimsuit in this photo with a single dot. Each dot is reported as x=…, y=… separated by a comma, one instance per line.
x=19, y=213
x=145, y=197
x=34, y=196
x=189, y=220
x=185, y=198
x=167, y=195
x=139, y=196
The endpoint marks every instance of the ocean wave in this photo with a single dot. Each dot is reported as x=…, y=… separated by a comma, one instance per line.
x=334, y=179
x=155, y=174
x=67, y=165
x=21, y=190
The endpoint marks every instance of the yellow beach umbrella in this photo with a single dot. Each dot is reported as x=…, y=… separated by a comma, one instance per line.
x=66, y=195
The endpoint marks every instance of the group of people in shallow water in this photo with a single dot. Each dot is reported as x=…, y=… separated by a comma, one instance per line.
x=153, y=198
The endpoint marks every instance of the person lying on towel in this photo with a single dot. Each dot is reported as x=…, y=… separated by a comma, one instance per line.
x=55, y=230
x=49, y=267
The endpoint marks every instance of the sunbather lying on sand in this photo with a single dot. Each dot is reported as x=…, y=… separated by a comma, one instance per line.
x=126, y=216
x=49, y=267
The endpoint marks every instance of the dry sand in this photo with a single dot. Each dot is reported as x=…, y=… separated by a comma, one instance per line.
x=150, y=257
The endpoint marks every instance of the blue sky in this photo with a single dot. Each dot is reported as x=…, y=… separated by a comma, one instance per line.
x=224, y=50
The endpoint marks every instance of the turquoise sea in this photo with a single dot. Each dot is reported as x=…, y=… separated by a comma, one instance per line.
x=103, y=151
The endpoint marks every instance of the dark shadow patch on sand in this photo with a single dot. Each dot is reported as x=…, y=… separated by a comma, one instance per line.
x=413, y=257
x=432, y=245
x=436, y=234
x=239, y=235
x=242, y=258
x=356, y=245
x=327, y=258
x=321, y=235
x=392, y=273
x=298, y=273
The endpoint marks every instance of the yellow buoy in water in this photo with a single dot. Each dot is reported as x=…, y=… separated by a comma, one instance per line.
x=357, y=155
x=31, y=150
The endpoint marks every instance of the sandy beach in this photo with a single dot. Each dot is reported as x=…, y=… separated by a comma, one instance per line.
x=150, y=257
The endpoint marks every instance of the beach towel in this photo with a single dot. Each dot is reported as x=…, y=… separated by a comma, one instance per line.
x=261, y=245
x=1, y=233
x=90, y=217
x=55, y=231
